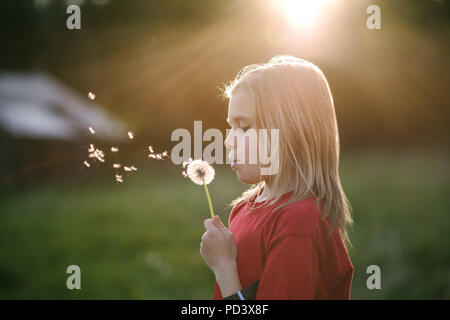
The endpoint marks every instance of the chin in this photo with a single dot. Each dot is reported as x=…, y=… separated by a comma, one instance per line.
x=249, y=175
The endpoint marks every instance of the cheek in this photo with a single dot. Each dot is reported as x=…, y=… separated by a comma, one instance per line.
x=247, y=150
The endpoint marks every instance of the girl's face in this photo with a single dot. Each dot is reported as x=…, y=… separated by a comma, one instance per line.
x=241, y=118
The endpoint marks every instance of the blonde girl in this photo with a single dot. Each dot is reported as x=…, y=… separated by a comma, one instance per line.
x=286, y=234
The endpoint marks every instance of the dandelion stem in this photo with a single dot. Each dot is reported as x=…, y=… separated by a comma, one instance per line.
x=209, y=201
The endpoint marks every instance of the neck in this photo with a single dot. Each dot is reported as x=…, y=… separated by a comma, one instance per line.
x=268, y=194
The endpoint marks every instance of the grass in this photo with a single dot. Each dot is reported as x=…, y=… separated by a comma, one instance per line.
x=140, y=239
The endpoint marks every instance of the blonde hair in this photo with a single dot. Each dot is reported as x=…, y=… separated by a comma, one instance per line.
x=293, y=96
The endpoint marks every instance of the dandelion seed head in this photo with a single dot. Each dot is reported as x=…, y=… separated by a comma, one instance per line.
x=200, y=172
x=164, y=154
x=152, y=156
x=87, y=164
x=114, y=149
x=158, y=156
x=130, y=135
x=91, y=130
x=127, y=168
x=150, y=148
x=133, y=168
x=116, y=165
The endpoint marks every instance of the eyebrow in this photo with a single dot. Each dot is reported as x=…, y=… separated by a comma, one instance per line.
x=240, y=118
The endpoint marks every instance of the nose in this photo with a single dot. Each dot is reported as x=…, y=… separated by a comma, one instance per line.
x=229, y=141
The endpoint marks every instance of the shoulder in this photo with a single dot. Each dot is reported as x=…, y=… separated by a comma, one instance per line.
x=298, y=218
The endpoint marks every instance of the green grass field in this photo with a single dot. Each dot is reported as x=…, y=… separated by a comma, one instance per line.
x=140, y=240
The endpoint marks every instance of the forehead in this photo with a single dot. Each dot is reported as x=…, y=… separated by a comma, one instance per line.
x=242, y=104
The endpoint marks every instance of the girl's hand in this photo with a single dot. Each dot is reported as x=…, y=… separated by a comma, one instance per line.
x=218, y=247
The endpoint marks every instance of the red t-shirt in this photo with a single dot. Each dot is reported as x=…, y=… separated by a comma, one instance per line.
x=289, y=252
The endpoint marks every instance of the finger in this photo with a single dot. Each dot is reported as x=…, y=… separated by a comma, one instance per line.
x=218, y=222
x=209, y=225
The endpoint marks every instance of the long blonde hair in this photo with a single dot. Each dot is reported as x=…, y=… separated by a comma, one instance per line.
x=293, y=96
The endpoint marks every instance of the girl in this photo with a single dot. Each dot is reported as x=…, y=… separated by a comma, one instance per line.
x=287, y=232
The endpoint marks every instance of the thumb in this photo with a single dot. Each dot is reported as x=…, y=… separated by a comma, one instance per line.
x=218, y=222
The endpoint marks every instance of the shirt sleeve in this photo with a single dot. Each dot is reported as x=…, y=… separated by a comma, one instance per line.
x=291, y=269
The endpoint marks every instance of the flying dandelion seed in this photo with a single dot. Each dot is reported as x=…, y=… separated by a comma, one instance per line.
x=96, y=153
x=186, y=162
x=100, y=153
x=201, y=172
x=91, y=95
x=157, y=156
